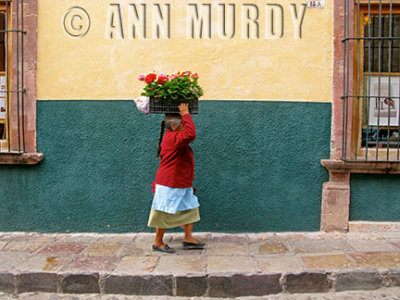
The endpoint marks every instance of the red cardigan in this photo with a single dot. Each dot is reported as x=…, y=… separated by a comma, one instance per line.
x=176, y=168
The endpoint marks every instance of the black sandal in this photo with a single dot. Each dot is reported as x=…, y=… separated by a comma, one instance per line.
x=193, y=246
x=166, y=249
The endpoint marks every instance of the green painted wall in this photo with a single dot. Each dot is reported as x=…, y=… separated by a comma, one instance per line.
x=375, y=198
x=257, y=168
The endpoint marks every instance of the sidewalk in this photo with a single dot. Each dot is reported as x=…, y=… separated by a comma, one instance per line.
x=232, y=265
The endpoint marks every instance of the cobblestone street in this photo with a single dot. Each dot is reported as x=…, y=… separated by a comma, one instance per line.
x=383, y=294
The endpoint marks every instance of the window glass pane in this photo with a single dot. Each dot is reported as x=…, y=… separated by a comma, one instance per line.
x=380, y=109
x=376, y=51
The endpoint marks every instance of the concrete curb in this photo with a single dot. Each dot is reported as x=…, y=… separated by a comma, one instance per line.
x=211, y=285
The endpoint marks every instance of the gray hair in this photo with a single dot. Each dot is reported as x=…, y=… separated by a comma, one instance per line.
x=170, y=119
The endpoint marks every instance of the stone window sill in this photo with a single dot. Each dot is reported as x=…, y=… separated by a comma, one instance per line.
x=375, y=167
x=20, y=158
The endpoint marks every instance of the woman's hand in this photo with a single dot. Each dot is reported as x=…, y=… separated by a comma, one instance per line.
x=183, y=109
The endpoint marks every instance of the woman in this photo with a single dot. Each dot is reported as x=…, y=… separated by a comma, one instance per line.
x=174, y=202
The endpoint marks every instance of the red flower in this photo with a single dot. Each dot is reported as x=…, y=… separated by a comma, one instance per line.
x=150, y=77
x=162, y=79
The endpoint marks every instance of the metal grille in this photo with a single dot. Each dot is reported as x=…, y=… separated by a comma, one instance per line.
x=371, y=81
x=165, y=106
x=12, y=133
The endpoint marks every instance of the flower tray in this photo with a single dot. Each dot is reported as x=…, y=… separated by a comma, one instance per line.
x=167, y=106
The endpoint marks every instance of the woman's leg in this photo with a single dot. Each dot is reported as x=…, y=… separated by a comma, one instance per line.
x=159, y=237
x=189, y=243
x=188, y=228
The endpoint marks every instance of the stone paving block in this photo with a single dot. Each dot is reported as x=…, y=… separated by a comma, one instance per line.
x=358, y=280
x=33, y=237
x=307, y=283
x=63, y=249
x=43, y=238
x=278, y=264
x=8, y=260
x=395, y=242
x=268, y=247
x=103, y=249
x=392, y=235
x=131, y=248
x=121, y=238
x=371, y=245
x=262, y=236
x=244, y=285
x=365, y=226
x=363, y=236
x=80, y=284
x=23, y=246
x=181, y=265
x=327, y=262
x=83, y=263
x=138, y=285
x=39, y=263
x=142, y=250
x=32, y=282
x=317, y=246
x=83, y=238
x=226, y=249
x=191, y=286
x=2, y=244
x=59, y=296
x=377, y=260
x=223, y=264
x=10, y=236
x=229, y=238
x=136, y=265
x=7, y=283
x=284, y=236
x=394, y=278
x=220, y=286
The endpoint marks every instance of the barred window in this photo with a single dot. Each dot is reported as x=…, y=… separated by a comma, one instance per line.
x=12, y=119
x=371, y=81
x=3, y=102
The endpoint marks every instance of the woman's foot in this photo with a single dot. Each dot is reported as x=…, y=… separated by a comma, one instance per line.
x=191, y=244
x=191, y=240
x=163, y=248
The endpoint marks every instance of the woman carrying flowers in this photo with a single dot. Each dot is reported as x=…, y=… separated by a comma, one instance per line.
x=174, y=203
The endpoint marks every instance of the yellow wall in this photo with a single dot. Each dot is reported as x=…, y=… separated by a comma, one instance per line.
x=95, y=66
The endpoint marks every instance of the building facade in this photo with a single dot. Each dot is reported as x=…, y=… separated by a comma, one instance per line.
x=297, y=129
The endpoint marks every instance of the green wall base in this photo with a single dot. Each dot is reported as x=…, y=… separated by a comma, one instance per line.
x=257, y=168
x=375, y=198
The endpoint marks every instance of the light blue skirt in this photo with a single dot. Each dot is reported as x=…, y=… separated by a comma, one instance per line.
x=172, y=200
